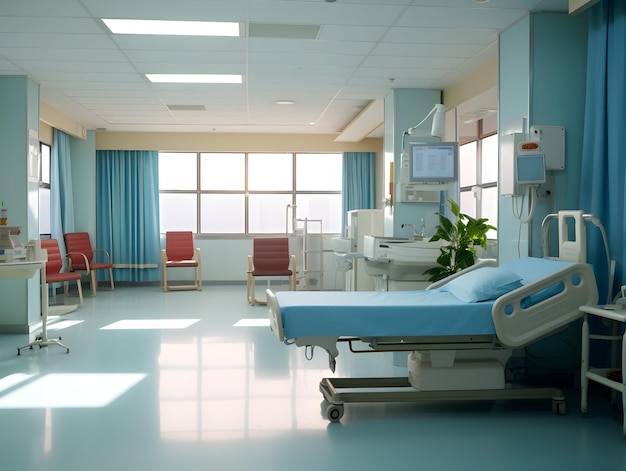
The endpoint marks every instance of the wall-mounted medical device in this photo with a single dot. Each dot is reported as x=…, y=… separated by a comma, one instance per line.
x=426, y=170
x=526, y=159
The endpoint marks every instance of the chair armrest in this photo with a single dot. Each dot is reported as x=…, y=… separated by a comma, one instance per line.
x=108, y=258
x=163, y=257
x=292, y=262
x=69, y=262
x=198, y=255
x=250, y=264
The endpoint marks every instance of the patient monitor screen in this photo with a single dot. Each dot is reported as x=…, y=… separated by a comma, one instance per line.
x=530, y=169
x=432, y=163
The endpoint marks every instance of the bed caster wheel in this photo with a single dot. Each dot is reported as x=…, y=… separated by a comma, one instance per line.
x=559, y=407
x=332, y=412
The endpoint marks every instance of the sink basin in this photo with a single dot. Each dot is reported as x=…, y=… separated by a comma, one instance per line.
x=341, y=244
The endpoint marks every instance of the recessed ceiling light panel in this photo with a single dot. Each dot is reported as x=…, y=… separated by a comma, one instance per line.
x=176, y=28
x=194, y=78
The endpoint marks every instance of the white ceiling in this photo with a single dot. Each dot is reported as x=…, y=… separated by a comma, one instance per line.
x=363, y=49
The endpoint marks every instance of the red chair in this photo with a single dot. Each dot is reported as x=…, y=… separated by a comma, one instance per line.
x=54, y=265
x=81, y=257
x=180, y=253
x=270, y=258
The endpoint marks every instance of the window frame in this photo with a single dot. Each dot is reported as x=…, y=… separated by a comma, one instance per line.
x=246, y=192
x=480, y=134
x=43, y=185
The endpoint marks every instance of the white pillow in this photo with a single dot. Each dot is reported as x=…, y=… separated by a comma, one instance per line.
x=483, y=284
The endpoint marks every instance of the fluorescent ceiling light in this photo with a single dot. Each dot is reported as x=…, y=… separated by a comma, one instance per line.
x=194, y=78
x=176, y=28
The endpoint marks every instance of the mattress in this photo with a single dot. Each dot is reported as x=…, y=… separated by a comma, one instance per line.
x=381, y=314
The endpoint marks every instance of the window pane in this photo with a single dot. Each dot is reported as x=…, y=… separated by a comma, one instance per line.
x=319, y=172
x=268, y=213
x=177, y=171
x=45, y=164
x=467, y=164
x=468, y=203
x=324, y=207
x=489, y=209
x=44, y=211
x=222, y=171
x=489, y=167
x=270, y=172
x=178, y=212
x=223, y=214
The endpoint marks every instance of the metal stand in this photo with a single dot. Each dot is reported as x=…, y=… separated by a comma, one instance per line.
x=42, y=339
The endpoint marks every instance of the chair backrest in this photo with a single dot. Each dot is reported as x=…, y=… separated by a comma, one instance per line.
x=179, y=245
x=78, y=242
x=271, y=254
x=55, y=262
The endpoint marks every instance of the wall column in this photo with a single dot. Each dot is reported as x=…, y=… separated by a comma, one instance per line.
x=20, y=306
x=404, y=108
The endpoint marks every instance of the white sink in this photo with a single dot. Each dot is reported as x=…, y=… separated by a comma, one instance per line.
x=341, y=244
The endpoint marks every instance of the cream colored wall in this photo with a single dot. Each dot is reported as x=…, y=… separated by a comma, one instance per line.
x=231, y=142
x=472, y=85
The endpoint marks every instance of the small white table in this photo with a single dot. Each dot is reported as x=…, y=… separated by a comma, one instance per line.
x=27, y=269
x=614, y=313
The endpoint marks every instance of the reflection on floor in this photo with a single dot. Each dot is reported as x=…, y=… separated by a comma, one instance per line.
x=195, y=380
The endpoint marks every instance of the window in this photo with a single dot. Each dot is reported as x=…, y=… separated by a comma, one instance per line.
x=44, y=190
x=214, y=193
x=478, y=170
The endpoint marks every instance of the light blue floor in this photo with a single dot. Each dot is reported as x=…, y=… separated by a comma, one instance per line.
x=212, y=396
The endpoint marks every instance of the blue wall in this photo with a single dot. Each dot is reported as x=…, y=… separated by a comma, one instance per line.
x=542, y=82
x=19, y=119
x=404, y=108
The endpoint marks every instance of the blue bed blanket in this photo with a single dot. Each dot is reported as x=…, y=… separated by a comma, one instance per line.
x=381, y=314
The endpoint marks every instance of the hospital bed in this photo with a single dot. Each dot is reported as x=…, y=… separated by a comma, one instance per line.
x=460, y=332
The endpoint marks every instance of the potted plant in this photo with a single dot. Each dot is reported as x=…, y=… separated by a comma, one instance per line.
x=462, y=235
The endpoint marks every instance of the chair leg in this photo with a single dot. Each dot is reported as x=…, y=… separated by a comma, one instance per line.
x=248, y=287
x=111, y=279
x=252, y=291
x=79, y=285
x=94, y=283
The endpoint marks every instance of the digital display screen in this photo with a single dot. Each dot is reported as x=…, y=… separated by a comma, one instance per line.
x=434, y=162
x=530, y=169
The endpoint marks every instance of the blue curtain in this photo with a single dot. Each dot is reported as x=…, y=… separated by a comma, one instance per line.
x=359, y=183
x=127, y=200
x=603, y=161
x=61, y=203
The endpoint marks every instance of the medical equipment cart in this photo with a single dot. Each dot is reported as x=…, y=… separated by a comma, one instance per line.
x=616, y=313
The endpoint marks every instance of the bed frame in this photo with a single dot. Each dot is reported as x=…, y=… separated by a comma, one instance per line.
x=515, y=324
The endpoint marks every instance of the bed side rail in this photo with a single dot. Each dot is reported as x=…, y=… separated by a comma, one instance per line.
x=276, y=321
x=518, y=323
